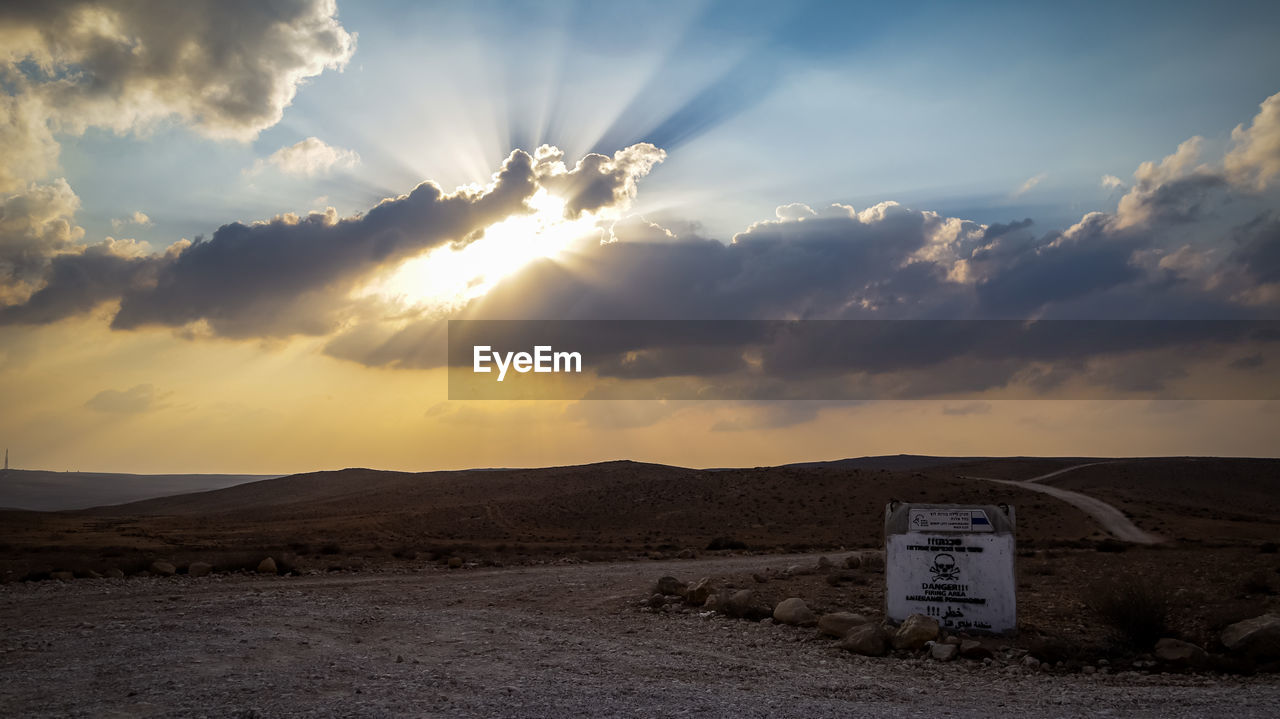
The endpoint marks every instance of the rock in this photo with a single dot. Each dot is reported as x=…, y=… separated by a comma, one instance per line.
x=62, y=576
x=838, y=624
x=760, y=578
x=944, y=652
x=1257, y=638
x=1089, y=669
x=697, y=593
x=455, y=562
x=670, y=586
x=868, y=640
x=853, y=561
x=686, y=554
x=953, y=639
x=1030, y=662
x=795, y=612
x=796, y=570
x=973, y=649
x=824, y=563
x=267, y=566
x=745, y=604
x=915, y=631
x=1180, y=653
x=114, y=573
x=873, y=561
x=163, y=569
x=92, y=575
x=199, y=569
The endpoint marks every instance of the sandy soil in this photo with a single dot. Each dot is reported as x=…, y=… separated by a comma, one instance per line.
x=562, y=640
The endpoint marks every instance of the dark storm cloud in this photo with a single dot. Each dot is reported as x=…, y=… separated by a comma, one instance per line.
x=291, y=275
x=76, y=283
x=1258, y=253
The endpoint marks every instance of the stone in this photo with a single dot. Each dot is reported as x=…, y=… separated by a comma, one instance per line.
x=760, y=578
x=944, y=652
x=114, y=573
x=873, y=561
x=869, y=640
x=1257, y=638
x=746, y=605
x=1179, y=653
x=163, y=569
x=199, y=569
x=795, y=612
x=62, y=576
x=953, y=639
x=853, y=561
x=824, y=563
x=455, y=562
x=1089, y=669
x=838, y=624
x=1030, y=662
x=796, y=570
x=973, y=649
x=915, y=631
x=670, y=586
x=92, y=575
x=267, y=566
x=698, y=592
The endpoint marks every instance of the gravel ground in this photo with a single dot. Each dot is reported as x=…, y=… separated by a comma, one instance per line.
x=551, y=641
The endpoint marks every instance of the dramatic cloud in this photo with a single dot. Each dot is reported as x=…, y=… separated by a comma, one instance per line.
x=311, y=156
x=1111, y=182
x=1255, y=159
x=294, y=275
x=35, y=225
x=227, y=69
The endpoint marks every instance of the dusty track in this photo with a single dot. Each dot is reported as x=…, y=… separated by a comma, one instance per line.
x=1111, y=519
x=531, y=642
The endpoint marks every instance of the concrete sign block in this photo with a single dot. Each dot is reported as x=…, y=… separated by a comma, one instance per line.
x=953, y=563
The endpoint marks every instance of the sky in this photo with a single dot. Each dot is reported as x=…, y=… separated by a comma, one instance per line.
x=231, y=233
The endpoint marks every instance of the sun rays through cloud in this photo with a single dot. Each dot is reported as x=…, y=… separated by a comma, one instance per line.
x=449, y=277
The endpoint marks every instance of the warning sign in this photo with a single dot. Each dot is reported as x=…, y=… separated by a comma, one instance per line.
x=952, y=563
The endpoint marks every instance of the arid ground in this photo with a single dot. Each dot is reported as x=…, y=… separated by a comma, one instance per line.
x=550, y=612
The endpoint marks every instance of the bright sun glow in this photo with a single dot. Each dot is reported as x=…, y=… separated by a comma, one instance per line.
x=446, y=278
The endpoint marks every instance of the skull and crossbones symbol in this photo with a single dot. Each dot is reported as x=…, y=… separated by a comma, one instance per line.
x=944, y=568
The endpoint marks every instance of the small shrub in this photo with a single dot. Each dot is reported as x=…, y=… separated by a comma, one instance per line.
x=1136, y=612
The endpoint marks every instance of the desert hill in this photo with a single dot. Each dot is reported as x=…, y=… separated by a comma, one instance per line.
x=46, y=491
x=624, y=508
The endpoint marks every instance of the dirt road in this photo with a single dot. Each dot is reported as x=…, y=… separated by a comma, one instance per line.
x=529, y=642
x=1111, y=519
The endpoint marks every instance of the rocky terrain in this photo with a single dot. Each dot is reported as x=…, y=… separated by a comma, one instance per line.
x=555, y=640
x=635, y=589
